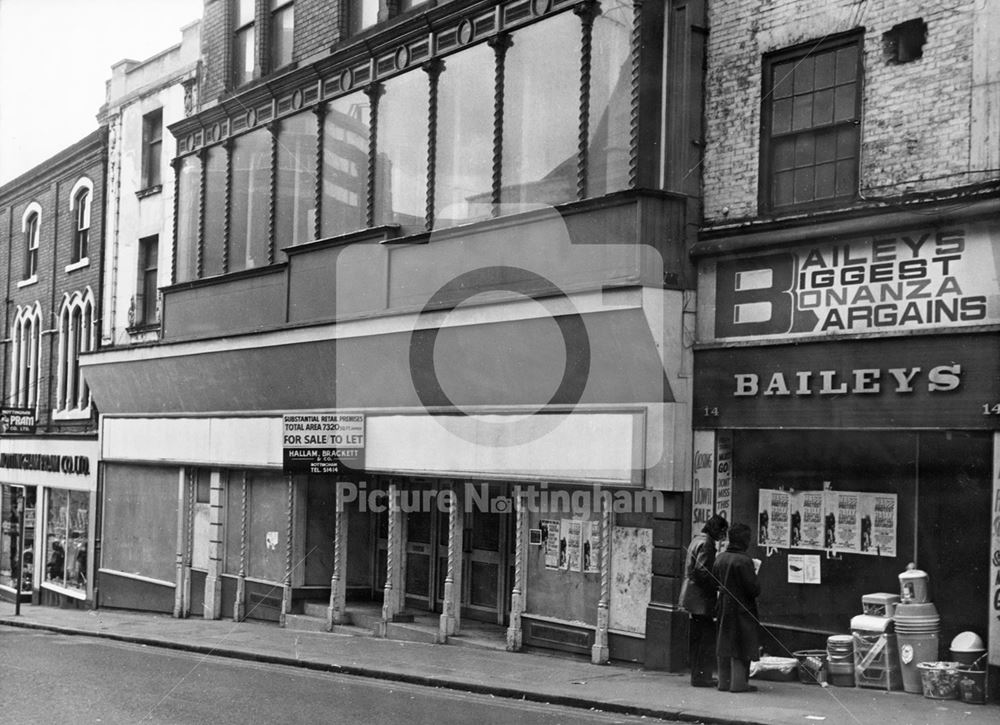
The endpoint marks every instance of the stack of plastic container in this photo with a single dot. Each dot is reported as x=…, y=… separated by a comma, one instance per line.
x=917, y=627
x=876, y=652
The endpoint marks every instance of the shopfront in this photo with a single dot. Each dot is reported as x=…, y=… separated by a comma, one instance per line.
x=846, y=407
x=49, y=498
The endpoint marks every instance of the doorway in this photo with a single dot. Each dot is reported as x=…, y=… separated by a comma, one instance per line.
x=486, y=561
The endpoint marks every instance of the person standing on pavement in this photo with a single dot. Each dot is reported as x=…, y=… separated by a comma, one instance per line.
x=698, y=597
x=739, y=588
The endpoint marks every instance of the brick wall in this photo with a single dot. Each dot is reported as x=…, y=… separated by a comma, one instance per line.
x=916, y=120
x=215, y=34
x=317, y=26
x=51, y=191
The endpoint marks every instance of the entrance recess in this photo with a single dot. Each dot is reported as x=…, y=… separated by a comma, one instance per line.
x=486, y=560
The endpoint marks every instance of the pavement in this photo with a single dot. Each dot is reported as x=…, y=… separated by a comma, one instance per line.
x=536, y=676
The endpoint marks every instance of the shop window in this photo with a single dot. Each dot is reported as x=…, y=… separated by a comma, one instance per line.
x=251, y=200
x=67, y=529
x=139, y=518
x=464, y=150
x=152, y=148
x=811, y=125
x=76, y=336
x=541, y=114
x=147, y=285
x=295, y=198
x=213, y=243
x=282, y=32
x=243, y=43
x=80, y=207
x=401, y=165
x=31, y=228
x=188, y=211
x=610, y=99
x=17, y=514
x=25, y=336
x=346, y=131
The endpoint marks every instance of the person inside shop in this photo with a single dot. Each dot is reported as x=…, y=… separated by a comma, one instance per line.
x=698, y=598
x=57, y=558
x=739, y=588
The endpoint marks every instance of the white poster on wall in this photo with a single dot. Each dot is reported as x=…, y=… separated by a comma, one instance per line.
x=724, y=474
x=848, y=525
x=703, y=479
x=878, y=523
x=631, y=578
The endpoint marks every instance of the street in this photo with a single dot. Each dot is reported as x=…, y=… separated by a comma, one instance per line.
x=48, y=678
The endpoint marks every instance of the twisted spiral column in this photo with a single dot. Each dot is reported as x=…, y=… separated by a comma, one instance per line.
x=633, y=155
x=447, y=620
x=335, y=612
x=239, y=608
x=286, y=598
x=514, y=631
x=390, y=597
x=599, y=654
x=587, y=12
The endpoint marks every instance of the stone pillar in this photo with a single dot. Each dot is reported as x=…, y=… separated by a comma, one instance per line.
x=213, y=580
x=335, y=613
x=179, y=560
x=514, y=631
x=452, y=599
x=239, y=608
x=286, y=594
x=599, y=653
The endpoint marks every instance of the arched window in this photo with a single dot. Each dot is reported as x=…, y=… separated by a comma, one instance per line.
x=76, y=336
x=31, y=223
x=25, y=336
x=79, y=204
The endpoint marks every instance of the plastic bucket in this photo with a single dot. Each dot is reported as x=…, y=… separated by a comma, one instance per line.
x=914, y=586
x=812, y=666
x=939, y=680
x=840, y=660
x=915, y=648
x=972, y=658
x=972, y=686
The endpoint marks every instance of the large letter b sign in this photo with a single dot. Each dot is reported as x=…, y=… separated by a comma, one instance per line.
x=754, y=296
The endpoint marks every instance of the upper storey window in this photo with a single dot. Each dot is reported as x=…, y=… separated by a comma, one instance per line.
x=475, y=133
x=281, y=32
x=811, y=129
x=243, y=43
x=152, y=147
x=31, y=224
x=362, y=14
x=79, y=205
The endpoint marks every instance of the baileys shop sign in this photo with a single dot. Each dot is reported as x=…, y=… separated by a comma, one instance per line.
x=910, y=280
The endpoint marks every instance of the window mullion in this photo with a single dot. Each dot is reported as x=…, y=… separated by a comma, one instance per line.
x=500, y=44
x=587, y=12
x=374, y=92
x=433, y=70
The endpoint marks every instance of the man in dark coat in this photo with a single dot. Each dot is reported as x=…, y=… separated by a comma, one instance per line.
x=739, y=588
x=698, y=594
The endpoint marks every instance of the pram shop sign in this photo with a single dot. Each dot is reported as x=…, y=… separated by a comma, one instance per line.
x=323, y=443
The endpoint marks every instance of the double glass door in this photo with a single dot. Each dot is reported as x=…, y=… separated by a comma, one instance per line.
x=486, y=561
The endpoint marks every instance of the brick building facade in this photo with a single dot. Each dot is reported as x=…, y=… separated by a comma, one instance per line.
x=51, y=228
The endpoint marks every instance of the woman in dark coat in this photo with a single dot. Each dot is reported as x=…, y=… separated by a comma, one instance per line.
x=738, y=591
